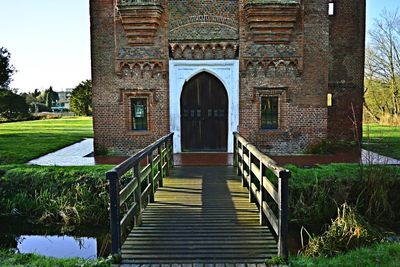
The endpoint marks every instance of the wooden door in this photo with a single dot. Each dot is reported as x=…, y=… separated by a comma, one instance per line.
x=204, y=114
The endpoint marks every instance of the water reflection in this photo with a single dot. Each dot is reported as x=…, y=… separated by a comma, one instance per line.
x=59, y=242
x=58, y=246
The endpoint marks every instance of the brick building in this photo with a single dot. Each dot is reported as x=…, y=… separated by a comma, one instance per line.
x=284, y=73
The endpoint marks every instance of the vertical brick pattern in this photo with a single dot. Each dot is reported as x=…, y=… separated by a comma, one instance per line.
x=346, y=70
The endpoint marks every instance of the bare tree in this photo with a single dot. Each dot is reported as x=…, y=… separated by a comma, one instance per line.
x=383, y=65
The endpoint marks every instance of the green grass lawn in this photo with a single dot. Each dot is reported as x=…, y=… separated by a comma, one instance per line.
x=17, y=259
x=384, y=140
x=381, y=255
x=23, y=141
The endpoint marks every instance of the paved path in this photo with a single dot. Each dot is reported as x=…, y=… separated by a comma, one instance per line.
x=73, y=155
x=369, y=157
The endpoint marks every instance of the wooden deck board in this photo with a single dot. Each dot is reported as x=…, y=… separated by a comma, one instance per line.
x=201, y=215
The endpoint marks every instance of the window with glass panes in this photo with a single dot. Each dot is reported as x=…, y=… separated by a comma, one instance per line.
x=139, y=114
x=269, y=112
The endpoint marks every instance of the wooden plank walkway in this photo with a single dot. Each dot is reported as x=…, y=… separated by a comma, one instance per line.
x=201, y=215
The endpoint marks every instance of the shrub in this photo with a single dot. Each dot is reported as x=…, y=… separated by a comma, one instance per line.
x=12, y=106
x=330, y=146
x=81, y=99
x=347, y=231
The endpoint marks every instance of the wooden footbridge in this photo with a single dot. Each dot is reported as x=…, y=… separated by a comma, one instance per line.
x=165, y=215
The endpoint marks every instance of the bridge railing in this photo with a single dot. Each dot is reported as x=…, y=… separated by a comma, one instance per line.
x=256, y=170
x=141, y=174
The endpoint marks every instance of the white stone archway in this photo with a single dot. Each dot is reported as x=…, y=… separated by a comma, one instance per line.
x=180, y=71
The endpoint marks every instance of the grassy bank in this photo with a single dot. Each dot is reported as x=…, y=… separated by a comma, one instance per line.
x=67, y=195
x=74, y=195
x=315, y=193
x=381, y=139
x=380, y=255
x=8, y=258
x=23, y=141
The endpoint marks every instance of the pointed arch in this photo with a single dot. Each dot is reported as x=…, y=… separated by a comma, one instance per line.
x=226, y=71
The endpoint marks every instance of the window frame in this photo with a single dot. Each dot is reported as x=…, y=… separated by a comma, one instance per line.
x=280, y=92
x=132, y=117
x=277, y=113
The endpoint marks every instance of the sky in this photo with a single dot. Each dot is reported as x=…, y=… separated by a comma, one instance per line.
x=49, y=40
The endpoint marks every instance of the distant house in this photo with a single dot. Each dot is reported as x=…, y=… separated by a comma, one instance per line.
x=62, y=103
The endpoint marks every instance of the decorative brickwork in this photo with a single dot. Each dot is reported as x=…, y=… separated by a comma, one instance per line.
x=140, y=20
x=271, y=21
x=289, y=49
x=205, y=51
x=206, y=14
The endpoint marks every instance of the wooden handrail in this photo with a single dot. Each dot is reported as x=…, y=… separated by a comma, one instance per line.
x=252, y=165
x=158, y=159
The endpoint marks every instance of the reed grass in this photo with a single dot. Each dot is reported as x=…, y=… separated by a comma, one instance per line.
x=348, y=231
x=66, y=195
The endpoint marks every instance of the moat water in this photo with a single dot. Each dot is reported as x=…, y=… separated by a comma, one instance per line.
x=55, y=241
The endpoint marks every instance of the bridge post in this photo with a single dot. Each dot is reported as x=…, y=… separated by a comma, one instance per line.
x=167, y=166
x=252, y=198
x=113, y=179
x=242, y=170
x=171, y=153
x=161, y=163
x=235, y=154
x=138, y=194
x=151, y=178
x=263, y=219
x=283, y=213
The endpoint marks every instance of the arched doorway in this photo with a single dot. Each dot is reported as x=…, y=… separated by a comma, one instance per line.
x=204, y=114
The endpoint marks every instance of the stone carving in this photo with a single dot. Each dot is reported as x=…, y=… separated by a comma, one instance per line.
x=273, y=67
x=228, y=22
x=204, y=51
x=140, y=53
x=140, y=69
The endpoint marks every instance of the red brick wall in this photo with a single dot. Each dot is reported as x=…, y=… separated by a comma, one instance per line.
x=317, y=56
x=120, y=72
x=346, y=72
x=299, y=70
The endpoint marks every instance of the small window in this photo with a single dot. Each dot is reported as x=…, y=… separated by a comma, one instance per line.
x=139, y=114
x=269, y=112
x=331, y=9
